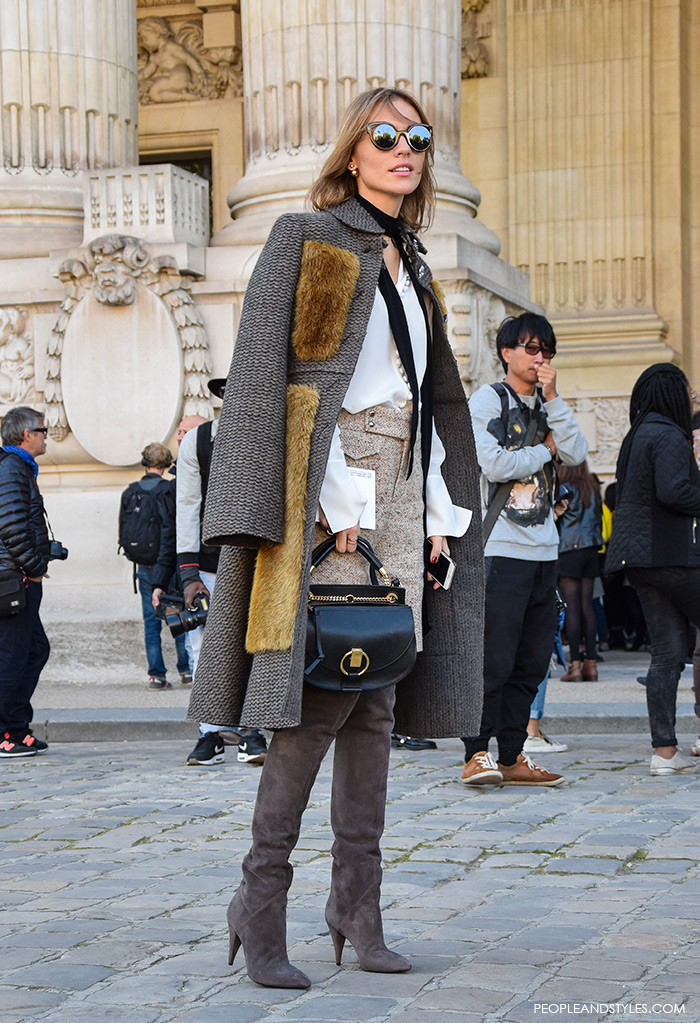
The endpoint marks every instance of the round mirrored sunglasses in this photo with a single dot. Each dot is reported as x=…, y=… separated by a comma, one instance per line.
x=385, y=136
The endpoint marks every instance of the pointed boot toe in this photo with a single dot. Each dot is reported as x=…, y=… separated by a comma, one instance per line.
x=263, y=937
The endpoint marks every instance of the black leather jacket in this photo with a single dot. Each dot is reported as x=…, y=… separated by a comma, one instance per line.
x=578, y=526
x=24, y=538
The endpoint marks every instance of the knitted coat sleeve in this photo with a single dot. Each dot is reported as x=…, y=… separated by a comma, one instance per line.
x=23, y=535
x=245, y=493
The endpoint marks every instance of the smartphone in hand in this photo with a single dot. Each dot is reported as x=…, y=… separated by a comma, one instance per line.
x=443, y=570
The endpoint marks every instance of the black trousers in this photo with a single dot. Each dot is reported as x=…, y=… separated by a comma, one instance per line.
x=519, y=629
x=670, y=597
x=24, y=650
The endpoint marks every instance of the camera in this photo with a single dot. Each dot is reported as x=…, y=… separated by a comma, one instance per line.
x=57, y=552
x=180, y=619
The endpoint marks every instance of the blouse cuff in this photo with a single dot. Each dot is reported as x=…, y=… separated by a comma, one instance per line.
x=443, y=518
x=340, y=499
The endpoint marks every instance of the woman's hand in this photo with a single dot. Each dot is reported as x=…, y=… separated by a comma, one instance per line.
x=440, y=546
x=346, y=539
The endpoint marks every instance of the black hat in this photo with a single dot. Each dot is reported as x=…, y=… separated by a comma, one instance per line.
x=217, y=386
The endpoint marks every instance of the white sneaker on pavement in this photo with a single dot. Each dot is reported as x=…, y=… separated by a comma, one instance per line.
x=695, y=748
x=543, y=744
x=677, y=764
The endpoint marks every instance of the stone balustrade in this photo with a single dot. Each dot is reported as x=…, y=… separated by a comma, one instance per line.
x=159, y=203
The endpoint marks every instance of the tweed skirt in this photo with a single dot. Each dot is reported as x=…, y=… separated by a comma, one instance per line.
x=380, y=439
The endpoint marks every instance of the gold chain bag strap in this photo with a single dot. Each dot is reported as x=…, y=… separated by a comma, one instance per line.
x=358, y=637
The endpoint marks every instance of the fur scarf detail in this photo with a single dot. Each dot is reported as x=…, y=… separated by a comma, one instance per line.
x=327, y=280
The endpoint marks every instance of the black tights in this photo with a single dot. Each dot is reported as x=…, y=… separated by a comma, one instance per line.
x=580, y=616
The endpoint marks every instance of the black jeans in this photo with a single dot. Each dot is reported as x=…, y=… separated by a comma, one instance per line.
x=519, y=629
x=24, y=650
x=669, y=598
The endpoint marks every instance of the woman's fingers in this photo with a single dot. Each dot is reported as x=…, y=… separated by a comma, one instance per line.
x=439, y=546
x=346, y=540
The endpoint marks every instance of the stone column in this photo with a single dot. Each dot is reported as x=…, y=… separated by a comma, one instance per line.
x=68, y=98
x=304, y=61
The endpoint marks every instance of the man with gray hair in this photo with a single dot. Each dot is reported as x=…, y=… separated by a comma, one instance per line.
x=24, y=557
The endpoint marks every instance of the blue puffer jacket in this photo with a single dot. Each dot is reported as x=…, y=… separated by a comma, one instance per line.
x=24, y=538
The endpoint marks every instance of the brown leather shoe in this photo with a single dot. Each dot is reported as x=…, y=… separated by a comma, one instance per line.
x=574, y=673
x=589, y=672
x=524, y=772
x=481, y=770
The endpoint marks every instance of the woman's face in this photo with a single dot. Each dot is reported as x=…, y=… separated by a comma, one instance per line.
x=385, y=177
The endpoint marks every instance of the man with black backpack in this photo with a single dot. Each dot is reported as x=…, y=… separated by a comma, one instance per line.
x=146, y=523
x=520, y=426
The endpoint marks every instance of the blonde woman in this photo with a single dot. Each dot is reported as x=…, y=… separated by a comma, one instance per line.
x=341, y=362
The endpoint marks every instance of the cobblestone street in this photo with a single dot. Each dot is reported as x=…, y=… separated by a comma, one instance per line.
x=118, y=862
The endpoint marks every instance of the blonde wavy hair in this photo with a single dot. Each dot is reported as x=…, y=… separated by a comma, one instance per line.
x=335, y=183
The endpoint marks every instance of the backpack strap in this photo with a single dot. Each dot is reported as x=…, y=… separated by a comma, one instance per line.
x=502, y=494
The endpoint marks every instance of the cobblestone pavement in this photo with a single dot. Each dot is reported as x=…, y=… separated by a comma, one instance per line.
x=117, y=863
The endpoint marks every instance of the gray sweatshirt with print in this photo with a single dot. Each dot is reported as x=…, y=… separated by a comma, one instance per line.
x=525, y=529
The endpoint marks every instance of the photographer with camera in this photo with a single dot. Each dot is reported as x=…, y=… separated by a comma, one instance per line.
x=197, y=564
x=25, y=551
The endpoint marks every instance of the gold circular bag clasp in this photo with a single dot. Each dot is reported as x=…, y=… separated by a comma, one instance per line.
x=358, y=660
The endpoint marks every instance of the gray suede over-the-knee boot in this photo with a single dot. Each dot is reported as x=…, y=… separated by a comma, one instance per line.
x=257, y=912
x=358, y=804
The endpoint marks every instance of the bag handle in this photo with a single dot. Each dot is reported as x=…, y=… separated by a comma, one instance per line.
x=364, y=548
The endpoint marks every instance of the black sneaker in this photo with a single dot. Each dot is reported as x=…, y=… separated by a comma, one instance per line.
x=209, y=750
x=252, y=749
x=12, y=747
x=411, y=742
x=186, y=678
x=31, y=742
x=158, y=683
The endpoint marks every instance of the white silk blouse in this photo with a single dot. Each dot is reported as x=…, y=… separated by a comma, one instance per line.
x=380, y=379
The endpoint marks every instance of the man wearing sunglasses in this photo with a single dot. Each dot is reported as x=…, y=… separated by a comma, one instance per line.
x=520, y=426
x=24, y=557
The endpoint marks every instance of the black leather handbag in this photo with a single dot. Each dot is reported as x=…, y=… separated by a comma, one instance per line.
x=13, y=593
x=358, y=637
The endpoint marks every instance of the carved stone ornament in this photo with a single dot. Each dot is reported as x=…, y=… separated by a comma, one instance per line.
x=16, y=357
x=611, y=424
x=473, y=317
x=116, y=272
x=476, y=61
x=175, y=66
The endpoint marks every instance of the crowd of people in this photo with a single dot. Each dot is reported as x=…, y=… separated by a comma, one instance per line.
x=345, y=437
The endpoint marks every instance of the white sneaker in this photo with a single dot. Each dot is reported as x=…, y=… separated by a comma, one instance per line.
x=543, y=744
x=677, y=764
x=695, y=748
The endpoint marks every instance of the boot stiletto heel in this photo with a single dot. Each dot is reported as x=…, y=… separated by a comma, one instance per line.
x=338, y=940
x=234, y=943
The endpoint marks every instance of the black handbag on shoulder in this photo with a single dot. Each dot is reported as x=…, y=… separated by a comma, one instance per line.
x=358, y=637
x=13, y=592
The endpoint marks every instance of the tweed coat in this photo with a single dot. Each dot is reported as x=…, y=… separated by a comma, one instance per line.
x=303, y=323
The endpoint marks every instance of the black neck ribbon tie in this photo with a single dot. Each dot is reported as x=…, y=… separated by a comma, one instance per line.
x=422, y=395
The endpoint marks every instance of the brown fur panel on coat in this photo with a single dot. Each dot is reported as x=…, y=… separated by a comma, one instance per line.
x=276, y=584
x=439, y=293
x=327, y=280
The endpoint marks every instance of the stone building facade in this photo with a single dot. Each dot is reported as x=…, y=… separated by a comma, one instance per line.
x=148, y=146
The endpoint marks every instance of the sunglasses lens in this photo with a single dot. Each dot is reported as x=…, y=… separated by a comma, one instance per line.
x=419, y=137
x=384, y=136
